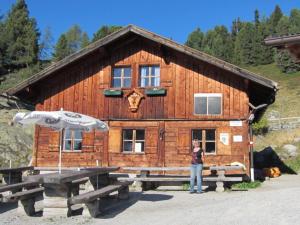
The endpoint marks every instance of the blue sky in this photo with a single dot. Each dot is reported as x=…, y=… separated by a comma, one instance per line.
x=173, y=19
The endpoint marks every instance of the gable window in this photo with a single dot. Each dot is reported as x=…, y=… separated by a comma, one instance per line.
x=121, y=77
x=150, y=76
x=206, y=138
x=72, y=140
x=207, y=104
x=133, y=140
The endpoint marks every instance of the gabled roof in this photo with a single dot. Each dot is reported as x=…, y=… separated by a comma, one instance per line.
x=151, y=36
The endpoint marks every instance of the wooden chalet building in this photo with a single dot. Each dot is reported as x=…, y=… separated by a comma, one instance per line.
x=288, y=42
x=156, y=96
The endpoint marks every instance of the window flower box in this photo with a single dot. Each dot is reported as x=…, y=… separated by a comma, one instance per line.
x=112, y=92
x=155, y=91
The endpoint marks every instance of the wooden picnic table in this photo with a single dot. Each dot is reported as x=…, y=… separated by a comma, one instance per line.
x=58, y=187
x=144, y=180
x=13, y=175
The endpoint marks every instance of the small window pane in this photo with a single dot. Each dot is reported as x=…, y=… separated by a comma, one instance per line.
x=127, y=82
x=117, y=72
x=139, y=146
x=67, y=145
x=145, y=82
x=201, y=105
x=157, y=82
x=155, y=70
x=144, y=71
x=127, y=72
x=67, y=134
x=210, y=135
x=140, y=135
x=210, y=147
x=77, y=134
x=116, y=82
x=214, y=105
x=197, y=134
x=127, y=146
x=127, y=134
x=77, y=145
x=154, y=81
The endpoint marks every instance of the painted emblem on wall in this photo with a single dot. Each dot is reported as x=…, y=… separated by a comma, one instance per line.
x=134, y=98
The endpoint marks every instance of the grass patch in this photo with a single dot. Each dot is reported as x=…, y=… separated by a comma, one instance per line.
x=246, y=185
x=276, y=138
x=294, y=163
x=186, y=187
x=287, y=99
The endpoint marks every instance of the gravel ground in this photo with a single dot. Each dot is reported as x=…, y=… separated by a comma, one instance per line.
x=276, y=202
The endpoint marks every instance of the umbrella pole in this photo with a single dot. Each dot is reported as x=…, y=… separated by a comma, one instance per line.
x=60, y=140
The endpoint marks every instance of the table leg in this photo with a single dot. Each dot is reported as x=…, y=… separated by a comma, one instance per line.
x=220, y=184
x=55, y=200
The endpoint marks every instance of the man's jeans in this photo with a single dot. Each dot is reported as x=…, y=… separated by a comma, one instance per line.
x=196, y=169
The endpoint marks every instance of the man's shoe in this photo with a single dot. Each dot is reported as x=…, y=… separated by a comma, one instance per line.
x=192, y=192
x=200, y=192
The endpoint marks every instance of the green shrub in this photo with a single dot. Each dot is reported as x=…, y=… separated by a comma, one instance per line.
x=247, y=185
x=186, y=186
x=260, y=127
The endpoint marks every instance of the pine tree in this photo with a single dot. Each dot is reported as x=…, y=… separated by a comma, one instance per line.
x=195, y=39
x=104, y=31
x=84, y=40
x=218, y=42
x=21, y=36
x=237, y=25
x=243, y=46
x=274, y=19
x=62, y=48
x=267, y=52
x=74, y=38
x=2, y=47
x=70, y=42
x=262, y=54
x=294, y=21
x=46, y=45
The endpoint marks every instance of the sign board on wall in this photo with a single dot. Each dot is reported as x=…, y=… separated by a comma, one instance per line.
x=237, y=138
x=236, y=123
x=224, y=138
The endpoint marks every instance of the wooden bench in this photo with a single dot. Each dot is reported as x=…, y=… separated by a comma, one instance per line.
x=18, y=186
x=218, y=176
x=90, y=199
x=27, y=198
x=14, y=175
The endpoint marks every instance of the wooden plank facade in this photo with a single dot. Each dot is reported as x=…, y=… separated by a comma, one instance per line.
x=167, y=120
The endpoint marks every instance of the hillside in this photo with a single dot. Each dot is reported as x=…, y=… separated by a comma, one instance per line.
x=287, y=99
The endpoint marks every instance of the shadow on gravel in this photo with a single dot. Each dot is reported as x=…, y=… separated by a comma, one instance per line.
x=120, y=206
x=268, y=158
x=4, y=207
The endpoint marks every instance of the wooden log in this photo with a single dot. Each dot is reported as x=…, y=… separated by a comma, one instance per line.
x=12, y=187
x=15, y=169
x=23, y=195
x=92, y=195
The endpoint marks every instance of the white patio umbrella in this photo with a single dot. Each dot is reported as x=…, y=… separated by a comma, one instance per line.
x=59, y=120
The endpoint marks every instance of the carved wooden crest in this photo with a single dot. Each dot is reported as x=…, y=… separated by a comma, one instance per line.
x=134, y=98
